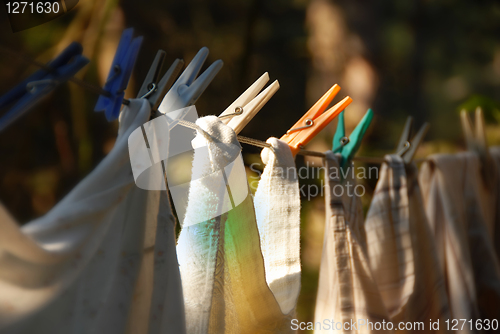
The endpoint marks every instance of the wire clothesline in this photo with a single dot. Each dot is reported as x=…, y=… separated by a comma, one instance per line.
x=260, y=143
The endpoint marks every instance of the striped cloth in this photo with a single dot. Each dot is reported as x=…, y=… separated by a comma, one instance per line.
x=401, y=250
x=458, y=210
x=347, y=291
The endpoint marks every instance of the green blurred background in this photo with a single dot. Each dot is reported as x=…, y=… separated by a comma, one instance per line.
x=428, y=59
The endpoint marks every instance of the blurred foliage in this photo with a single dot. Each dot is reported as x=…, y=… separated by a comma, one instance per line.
x=428, y=59
x=490, y=107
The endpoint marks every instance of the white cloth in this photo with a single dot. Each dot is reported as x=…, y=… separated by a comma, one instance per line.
x=222, y=268
x=74, y=269
x=277, y=209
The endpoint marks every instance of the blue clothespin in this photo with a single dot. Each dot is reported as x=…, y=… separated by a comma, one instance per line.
x=348, y=147
x=186, y=90
x=119, y=75
x=34, y=88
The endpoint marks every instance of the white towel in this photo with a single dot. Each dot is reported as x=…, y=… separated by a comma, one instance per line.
x=277, y=208
x=222, y=267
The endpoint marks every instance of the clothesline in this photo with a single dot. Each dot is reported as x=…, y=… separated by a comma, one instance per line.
x=260, y=143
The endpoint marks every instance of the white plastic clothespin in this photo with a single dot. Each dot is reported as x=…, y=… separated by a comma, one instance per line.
x=245, y=107
x=187, y=89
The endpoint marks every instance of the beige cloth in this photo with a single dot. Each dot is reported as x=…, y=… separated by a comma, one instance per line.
x=458, y=211
x=222, y=267
x=401, y=250
x=347, y=291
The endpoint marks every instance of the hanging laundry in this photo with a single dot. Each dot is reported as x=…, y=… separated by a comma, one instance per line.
x=277, y=209
x=401, y=250
x=346, y=291
x=74, y=269
x=222, y=268
x=453, y=193
x=159, y=305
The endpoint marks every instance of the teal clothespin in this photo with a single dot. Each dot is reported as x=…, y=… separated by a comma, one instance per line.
x=348, y=147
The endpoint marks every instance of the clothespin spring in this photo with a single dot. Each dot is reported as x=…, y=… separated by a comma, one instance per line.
x=405, y=148
x=343, y=142
x=152, y=89
x=309, y=122
x=237, y=111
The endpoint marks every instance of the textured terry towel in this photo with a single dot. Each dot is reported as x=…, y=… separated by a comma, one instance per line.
x=347, y=291
x=222, y=268
x=74, y=269
x=277, y=208
x=401, y=249
x=452, y=191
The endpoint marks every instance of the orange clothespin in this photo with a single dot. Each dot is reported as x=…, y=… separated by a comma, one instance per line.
x=315, y=120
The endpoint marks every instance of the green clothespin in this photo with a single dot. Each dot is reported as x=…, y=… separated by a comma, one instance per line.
x=348, y=147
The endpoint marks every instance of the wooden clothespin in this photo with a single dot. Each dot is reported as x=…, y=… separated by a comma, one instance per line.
x=314, y=120
x=248, y=104
x=476, y=140
x=407, y=147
